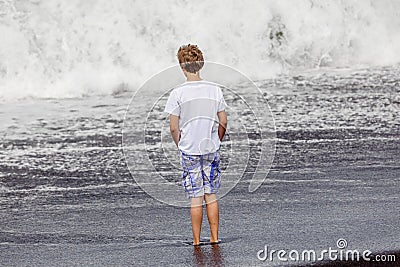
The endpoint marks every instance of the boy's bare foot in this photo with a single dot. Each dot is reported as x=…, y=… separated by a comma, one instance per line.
x=215, y=242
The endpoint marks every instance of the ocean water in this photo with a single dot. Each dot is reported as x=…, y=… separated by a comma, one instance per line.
x=67, y=197
x=73, y=49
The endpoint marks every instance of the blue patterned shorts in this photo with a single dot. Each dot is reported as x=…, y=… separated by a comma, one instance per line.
x=201, y=174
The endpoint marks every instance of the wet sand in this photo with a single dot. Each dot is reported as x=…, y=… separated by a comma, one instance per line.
x=282, y=215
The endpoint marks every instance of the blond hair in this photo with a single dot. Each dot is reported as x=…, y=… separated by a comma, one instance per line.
x=190, y=58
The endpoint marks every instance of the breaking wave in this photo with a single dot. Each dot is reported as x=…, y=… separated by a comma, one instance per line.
x=78, y=48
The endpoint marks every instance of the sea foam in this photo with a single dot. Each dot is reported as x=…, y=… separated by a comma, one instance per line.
x=75, y=48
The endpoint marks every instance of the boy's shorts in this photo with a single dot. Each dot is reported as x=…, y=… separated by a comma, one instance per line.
x=201, y=174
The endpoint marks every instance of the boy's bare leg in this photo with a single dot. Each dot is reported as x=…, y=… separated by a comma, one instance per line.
x=213, y=215
x=196, y=215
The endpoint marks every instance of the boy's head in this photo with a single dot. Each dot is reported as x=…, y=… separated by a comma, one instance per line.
x=190, y=58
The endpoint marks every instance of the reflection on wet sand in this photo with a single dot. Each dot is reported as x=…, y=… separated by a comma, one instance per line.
x=207, y=255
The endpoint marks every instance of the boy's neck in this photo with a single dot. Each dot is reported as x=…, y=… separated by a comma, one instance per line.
x=190, y=77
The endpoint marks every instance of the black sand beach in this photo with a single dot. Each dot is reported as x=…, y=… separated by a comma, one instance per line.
x=68, y=199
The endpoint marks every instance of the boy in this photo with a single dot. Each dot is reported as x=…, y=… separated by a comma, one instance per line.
x=197, y=123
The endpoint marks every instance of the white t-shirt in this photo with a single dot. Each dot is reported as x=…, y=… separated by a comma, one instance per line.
x=197, y=103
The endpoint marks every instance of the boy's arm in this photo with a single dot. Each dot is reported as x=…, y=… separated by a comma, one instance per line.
x=174, y=128
x=223, y=123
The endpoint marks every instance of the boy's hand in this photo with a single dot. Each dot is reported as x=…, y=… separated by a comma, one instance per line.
x=174, y=128
x=223, y=123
